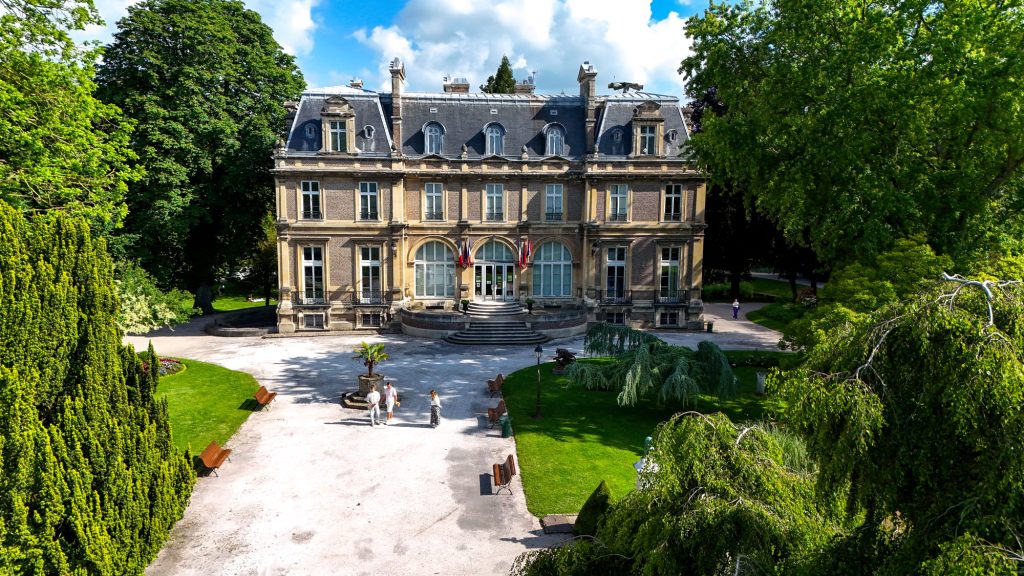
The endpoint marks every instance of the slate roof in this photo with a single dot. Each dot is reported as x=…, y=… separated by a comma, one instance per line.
x=463, y=117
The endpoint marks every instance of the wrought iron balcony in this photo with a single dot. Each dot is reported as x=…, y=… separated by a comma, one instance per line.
x=553, y=216
x=310, y=298
x=495, y=216
x=312, y=215
x=670, y=297
x=439, y=215
x=368, y=215
x=617, y=217
x=615, y=296
x=370, y=297
x=673, y=217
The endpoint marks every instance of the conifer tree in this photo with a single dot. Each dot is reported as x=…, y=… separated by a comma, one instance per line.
x=502, y=82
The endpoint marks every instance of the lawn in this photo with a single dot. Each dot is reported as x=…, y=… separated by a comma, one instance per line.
x=206, y=402
x=226, y=303
x=585, y=437
x=777, y=315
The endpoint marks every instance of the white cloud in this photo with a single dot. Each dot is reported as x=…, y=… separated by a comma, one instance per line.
x=552, y=37
x=291, y=20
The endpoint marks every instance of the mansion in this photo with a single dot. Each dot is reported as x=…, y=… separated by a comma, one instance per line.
x=408, y=201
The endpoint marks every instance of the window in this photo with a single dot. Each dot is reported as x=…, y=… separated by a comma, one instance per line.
x=648, y=140
x=368, y=201
x=339, y=136
x=311, y=200
x=495, y=136
x=552, y=271
x=555, y=141
x=617, y=204
x=673, y=203
x=668, y=319
x=369, y=266
x=314, y=321
x=369, y=320
x=668, y=289
x=434, y=135
x=435, y=271
x=618, y=318
x=615, y=274
x=553, y=203
x=494, y=210
x=433, y=193
x=313, y=275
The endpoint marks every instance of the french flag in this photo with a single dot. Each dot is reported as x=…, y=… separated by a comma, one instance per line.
x=458, y=256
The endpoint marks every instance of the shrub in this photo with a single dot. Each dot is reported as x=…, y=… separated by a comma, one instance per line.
x=593, y=509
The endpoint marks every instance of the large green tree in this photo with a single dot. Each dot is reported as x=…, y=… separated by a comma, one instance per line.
x=867, y=122
x=205, y=81
x=89, y=480
x=60, y=147
x=502, y=81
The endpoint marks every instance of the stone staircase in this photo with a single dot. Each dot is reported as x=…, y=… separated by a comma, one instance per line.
x=496, y=323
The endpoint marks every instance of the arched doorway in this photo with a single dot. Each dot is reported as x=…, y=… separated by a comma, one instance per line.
x=494, y=272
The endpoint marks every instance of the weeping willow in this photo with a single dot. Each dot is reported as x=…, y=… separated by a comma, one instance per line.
x=644, y=366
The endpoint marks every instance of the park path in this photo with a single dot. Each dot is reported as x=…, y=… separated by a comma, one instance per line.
x=312, y=489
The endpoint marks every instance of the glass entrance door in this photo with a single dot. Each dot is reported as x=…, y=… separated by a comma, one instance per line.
x=494, y=281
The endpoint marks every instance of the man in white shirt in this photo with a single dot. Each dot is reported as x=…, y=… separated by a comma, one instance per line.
x=373, y=399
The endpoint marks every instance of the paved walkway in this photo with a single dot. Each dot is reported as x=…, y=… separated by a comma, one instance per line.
x=312, y=489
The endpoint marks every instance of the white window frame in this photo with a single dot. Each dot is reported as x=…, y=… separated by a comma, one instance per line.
x=310, y=193
x=433, y=134
x=433, y=194
x=370, y=261
x=369, y=194
x=618, y=203
x=427, y=272
x=494, y=203
x=552, y=278
x=554, y=203
x=555, y=141
x=669, y=272
x=648, y=136
x=672, y=203
x=338, y=134
x=494, y=136
x=310, y=265
x=662, y=317
x=616, y=263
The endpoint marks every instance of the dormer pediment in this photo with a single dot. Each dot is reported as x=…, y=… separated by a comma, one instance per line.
x=649, y=110
x=337, y=106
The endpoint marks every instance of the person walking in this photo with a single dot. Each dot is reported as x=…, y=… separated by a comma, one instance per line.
x=373, y=399
x=735, y=309
x=435, y=409
x=390, y=401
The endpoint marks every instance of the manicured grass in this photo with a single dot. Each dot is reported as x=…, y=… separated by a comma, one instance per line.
x=227, y=303
x=777, y=315
x=778, y=288
x=585, y=437
x=206, y=402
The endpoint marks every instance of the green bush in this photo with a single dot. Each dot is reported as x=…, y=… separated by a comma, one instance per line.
x=145, y=307
x=593, y=509
x=723, y=292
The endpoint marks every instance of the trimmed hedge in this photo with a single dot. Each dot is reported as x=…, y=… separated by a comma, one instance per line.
x=593, y=509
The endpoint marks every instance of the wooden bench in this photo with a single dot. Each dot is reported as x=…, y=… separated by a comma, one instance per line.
x=214, y=456
x=264, y=397
x=494, y=414
x=503, y=474
x=494, y=386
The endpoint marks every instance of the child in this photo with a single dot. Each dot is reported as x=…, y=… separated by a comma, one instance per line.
x=435, y=409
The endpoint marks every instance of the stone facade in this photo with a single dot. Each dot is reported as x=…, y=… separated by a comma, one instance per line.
x=379, y=194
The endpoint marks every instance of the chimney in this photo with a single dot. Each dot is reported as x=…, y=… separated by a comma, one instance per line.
x=355, y=83
x=397, y=78
x=526, y=86
x=587, y=77
x=456, y=85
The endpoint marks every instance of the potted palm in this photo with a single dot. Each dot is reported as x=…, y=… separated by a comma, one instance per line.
x=529, y=305
x=371, y=355
x=465, y=305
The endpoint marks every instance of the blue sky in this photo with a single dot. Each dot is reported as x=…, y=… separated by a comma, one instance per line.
x=335, y=40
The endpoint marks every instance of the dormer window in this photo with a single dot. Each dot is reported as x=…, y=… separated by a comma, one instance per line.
x=648, y=141
x=434, y=135
x=339, y=136
x=339, y=130
x=555, y=139
x=495, y=137
x=648, y=129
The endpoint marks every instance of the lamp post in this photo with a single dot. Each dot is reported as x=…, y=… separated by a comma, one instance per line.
x=538, y=351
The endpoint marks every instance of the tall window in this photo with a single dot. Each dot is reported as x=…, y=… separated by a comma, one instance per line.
x=552, y=271
x=494, y=210
x=617, y=205
x=673, y=203
x=555, y=141
x=368, y=201
x=435, y=271
x=615, y=273
x=369, y=267
x=495, y=139
x=553, y=203
x=648, y=140
x=339, y=136
x=433, y=193
x=668, y=289
x=435, y=138
x=312, y=275
x=311, y=200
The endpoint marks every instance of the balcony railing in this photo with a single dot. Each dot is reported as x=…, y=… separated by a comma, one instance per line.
x=368, y=215
x=553, y=216
x=310, y=299
x=494, y=216
x=670, y=296
x=371, y=297
x=673, y=217
x=615, y=296
x=617, y=217
x=433, y=216
x=312, y=215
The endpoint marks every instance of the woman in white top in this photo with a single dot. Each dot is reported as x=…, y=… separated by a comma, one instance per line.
x=390, y=399
x=435, y=409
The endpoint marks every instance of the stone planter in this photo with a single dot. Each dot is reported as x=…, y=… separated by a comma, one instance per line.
x=365, y=382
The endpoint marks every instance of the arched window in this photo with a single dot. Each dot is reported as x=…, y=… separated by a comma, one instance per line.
x=434, y=135
x=435, y=271
x=552, y=271
x=555, y=141
x=494, y=251
x=495, y=136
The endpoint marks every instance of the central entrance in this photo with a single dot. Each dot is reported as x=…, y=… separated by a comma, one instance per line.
x=494, y=272
x=494, y=281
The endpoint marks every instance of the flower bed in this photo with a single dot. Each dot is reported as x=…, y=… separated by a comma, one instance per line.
x=168, y=366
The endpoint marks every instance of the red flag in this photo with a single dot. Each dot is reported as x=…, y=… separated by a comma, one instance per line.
x=458, y=256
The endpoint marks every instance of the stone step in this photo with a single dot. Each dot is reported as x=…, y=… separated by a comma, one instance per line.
x=497, y=332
